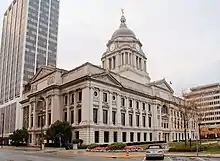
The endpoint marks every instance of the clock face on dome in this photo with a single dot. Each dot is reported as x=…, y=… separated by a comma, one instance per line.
x=112, y=47
x=138, y=47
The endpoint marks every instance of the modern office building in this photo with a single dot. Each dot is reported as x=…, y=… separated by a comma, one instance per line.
x=29, y=40
x=113, y=103
x=207, y=99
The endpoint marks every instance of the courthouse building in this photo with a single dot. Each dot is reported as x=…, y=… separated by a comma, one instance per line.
x=114, y=103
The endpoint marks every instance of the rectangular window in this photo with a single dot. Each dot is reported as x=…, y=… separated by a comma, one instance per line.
x=151, y=137
x=137, y=105
x=32, y=123
x=65, y=116
x=137, y=120
x=115, y=137
x=130, y=120
x=143, y=106
x=72, y=98
x=72, y=117
x=38, y=121
x=105, y=116
x=80, y=96
x=124, y=137
x=123, y=119
x=114, y=117
x=149, y=108
x=49, y=119
x=130, y=103
x=95, y=115
x=105, y=99
x=96, y=136
x=65, y=100
x=149, y=121
x=123, y=102
x=144, y=121
x=79, y=115
x=138, y=137
x=106, y=136
x=131, y=136
x=145, y=136
x=77, y=134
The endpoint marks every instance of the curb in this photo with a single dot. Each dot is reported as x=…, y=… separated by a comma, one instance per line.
x=125, y=157
x=192, y=156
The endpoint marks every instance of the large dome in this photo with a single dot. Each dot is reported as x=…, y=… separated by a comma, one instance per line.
x=123, y=30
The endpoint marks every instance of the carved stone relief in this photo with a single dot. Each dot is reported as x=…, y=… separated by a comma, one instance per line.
x=50, y=80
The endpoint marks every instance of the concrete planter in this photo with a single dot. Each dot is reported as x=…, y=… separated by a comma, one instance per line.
x=75, y=146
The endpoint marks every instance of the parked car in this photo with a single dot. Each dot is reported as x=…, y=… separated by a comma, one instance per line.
x=154, y=152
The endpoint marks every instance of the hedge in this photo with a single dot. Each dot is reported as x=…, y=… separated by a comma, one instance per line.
x=116, y=146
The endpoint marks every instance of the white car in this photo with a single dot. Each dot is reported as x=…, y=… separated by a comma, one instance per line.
x=154, y=152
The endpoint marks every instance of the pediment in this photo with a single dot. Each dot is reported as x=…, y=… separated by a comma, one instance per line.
x=106, y=78
x=162, y=84
x=44, y=71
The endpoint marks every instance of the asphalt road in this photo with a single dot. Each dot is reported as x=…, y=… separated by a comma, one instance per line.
x=11, y=155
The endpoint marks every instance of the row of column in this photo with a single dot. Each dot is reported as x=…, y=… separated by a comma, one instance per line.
x=118, y=112
x=123, y=59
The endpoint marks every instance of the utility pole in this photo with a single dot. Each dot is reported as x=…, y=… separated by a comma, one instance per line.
x=3, y=122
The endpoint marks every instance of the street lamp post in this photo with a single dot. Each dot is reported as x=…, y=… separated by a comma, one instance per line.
x=3, y=119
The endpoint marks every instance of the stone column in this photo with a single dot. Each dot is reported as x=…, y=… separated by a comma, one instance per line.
x=57, y=108
x=145, y=66
x=110, y=108
x=127, y=114
x=118, y=113
x=100, y=116
x=46, y=118
x=52, y=109
x=68, y=107
x=29, y=115
x=75, y=109
x=34, y=115
x=118, y=61
x=134, y=60
x=91, y=105
x=134, y=114
x=141, y=119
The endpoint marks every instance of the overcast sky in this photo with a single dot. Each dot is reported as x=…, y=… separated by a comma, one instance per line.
x=181, y=39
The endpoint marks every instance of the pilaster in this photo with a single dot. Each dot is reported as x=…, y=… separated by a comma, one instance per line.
x=46, y=117
x=100, y=116
x=110, y=109
x=86, y=108
x=127, y=114
x=75, y=109
x=29, y=116
x=68, y=107
x=118, y=113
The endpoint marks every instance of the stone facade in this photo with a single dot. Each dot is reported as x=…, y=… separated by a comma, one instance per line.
x=113, y=103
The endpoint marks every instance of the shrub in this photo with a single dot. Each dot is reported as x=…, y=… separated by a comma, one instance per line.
x=92, y=146
x=116, y=146
x=82, y=146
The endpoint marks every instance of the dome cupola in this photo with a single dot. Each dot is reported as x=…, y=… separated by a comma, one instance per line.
x=123, y=30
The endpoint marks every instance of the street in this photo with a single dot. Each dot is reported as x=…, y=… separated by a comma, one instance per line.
x=12, y=155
